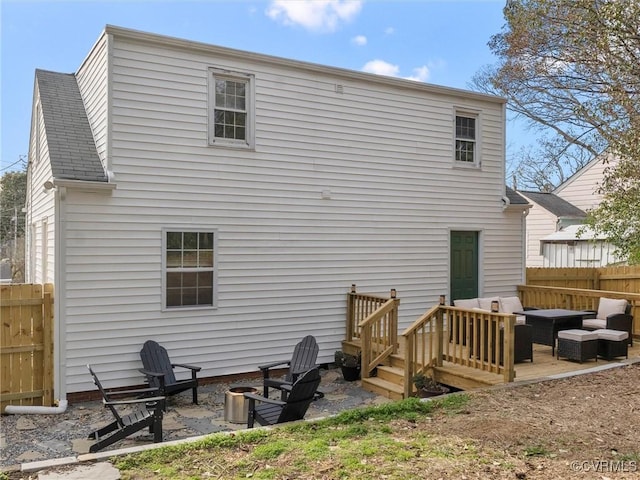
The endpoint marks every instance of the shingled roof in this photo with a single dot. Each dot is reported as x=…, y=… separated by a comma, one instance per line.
x=556, y=205
x=72, y=150
x=515, y=198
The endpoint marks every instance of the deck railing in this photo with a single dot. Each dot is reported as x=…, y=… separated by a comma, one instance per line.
x=373, y=320
x=479, y=340
x=575, y=299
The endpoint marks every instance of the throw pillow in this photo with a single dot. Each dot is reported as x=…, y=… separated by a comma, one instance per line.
x=610, y=306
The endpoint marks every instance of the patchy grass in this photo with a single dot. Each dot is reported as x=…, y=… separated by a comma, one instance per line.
x=369, y=442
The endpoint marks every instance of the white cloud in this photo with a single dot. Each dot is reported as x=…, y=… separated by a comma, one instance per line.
x=389, y=31
x=420, y=74
x=359, y=40
x=380, y=67
x=316, y=15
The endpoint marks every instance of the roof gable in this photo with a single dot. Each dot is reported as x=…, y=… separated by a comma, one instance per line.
x=72, y=150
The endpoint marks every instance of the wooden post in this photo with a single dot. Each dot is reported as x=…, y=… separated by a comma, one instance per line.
x=351, y=313
x=440, y=333
x=47, y=321
x=509, y=344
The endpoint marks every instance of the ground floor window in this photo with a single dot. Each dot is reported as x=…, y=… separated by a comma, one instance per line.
x=189, y=268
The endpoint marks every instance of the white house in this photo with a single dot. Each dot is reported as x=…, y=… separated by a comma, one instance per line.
x=222, y=202
x=568, y=205
x=549, y=213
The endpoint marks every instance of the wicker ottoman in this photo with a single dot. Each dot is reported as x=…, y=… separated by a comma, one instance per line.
x=577, y=345
x=612, y=343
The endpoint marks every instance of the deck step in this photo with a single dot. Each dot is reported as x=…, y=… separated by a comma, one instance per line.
x=391, y=374
x=383, y=388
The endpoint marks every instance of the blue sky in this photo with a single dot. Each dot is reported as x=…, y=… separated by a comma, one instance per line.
x=441, y=42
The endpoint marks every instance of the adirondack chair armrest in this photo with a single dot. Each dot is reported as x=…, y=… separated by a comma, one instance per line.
x=135, y=401
x=131, y=393
x=149, y=373
x=252, y=397
x=184, y=365
x=265, y=368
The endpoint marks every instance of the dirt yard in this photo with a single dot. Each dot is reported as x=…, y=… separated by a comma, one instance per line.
x=587, y=426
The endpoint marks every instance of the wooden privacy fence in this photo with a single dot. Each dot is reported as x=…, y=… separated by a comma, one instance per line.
x=612, y=279
x=26, y=345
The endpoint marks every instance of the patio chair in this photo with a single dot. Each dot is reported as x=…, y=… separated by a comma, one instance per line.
x=612, y=314
x=299, y=396
x=160, y=371
x=147, y=412
x=304, y=358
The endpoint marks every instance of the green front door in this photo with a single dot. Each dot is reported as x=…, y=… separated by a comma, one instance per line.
x=464, y=265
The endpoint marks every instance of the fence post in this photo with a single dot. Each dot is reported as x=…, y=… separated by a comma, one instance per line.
x=351, y=312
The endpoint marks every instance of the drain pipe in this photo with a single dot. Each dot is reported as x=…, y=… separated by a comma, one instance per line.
x=25, y=409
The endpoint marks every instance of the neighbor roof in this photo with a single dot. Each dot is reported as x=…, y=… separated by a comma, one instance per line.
x=515, y=198
x=554, y=204
x=72, y=150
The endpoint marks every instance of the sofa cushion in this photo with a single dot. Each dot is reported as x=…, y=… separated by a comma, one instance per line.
x=467, y=303
x=610, y=306
x=612, y=335
x=594, y=323
x=510, y=304
x=485, y=302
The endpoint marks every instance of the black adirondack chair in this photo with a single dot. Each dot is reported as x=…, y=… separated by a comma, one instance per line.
x=299, y=396
x=160, y=371
x=147, y=413
x=303, y=359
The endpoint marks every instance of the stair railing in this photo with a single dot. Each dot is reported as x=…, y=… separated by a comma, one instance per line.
x=379, y=335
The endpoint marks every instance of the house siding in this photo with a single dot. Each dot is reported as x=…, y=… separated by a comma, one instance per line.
x=540, y=223
x=582, y=189
x=92, y=78
x=40, y=203
x=382, y=151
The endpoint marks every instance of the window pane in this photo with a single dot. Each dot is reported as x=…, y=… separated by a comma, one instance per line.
x=206, y=258
x=228, y=132
x=240, y=133
x=219, y=131
x=205, y=296
x=174, y=280
x=189, y=279
x=190, y=258
x=205, y=279
x=173, y=298
x=174, y=259
x=189, y=296
x=174, y=240
x=191, y=240
x=206, y=241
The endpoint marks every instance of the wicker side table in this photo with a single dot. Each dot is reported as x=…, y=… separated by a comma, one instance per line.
x=612, y=343
x=579, y=345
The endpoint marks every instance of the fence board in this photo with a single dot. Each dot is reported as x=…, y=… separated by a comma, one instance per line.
x=26, y=345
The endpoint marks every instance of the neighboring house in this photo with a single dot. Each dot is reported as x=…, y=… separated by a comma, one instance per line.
x=567, y=205
x=223, y=202
x=581, y=189
x=548, y=214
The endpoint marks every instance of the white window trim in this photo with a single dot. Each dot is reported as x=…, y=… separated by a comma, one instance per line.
x=163, y=254
x=249, y=142
x=477, y=157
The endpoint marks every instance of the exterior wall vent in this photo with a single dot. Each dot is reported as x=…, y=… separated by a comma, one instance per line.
x=339, y=88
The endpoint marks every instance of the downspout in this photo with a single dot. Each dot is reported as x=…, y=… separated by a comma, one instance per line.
x=25, y=409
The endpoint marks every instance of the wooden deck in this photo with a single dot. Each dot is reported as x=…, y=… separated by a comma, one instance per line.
x=544, y=365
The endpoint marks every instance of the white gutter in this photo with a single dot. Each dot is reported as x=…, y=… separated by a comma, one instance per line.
x=25, y=409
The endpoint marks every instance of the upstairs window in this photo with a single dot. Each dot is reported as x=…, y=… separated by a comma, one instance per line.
x=466, y=144
x=231, y=109
x=189, y=268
